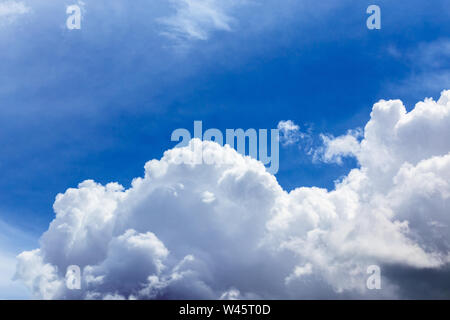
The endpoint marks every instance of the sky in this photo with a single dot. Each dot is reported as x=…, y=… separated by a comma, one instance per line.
x=98, y=103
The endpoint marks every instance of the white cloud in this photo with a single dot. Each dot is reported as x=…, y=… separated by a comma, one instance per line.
x=196, y=19
x=12, y=240
x=334, y=149
x=10, y=289
x=38, y=275
x=289, y=132
x=250, y=238
x=299, y=272
x=10, y=10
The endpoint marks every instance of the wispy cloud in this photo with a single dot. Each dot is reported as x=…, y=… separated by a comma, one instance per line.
x=9, y=10
x=429, y=63
x=12, y=241
x=196, y=19
x=290, y=132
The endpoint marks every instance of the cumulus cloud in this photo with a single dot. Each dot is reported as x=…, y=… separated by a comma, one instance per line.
x=228, y=230
x=334, y=149
x=195, y=19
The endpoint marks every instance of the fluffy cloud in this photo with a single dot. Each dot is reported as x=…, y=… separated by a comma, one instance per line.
x=334, y=149
x=228, y=230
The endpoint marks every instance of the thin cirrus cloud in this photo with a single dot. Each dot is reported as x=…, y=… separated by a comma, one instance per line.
x=196, y=19
x=10, y=10
x=292, y=135
x=160, y=239
x=429, y=64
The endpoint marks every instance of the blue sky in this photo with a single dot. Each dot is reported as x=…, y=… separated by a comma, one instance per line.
x=99, y=102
